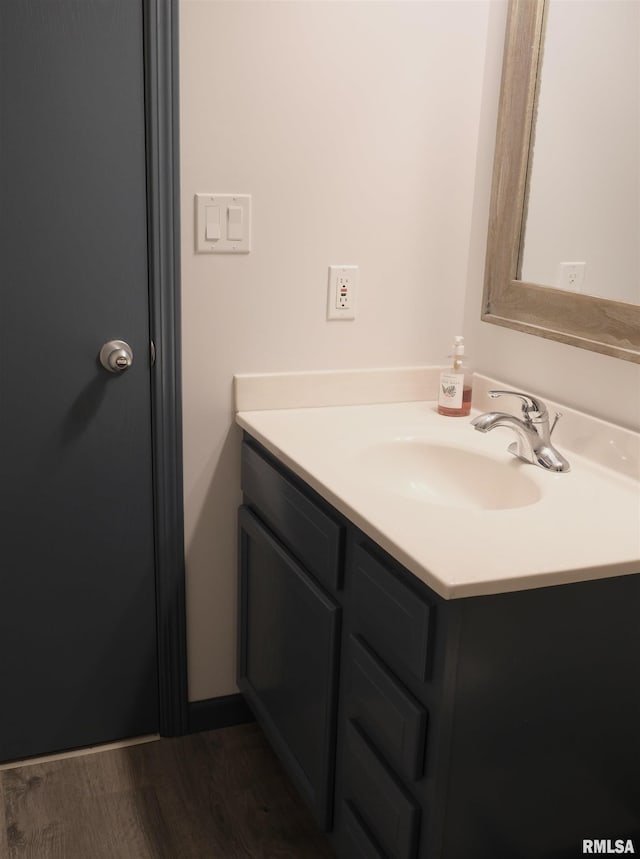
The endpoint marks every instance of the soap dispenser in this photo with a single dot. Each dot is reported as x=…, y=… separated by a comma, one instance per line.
x=454, y=393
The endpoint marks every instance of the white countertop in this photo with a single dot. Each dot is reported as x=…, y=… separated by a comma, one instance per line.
x=577, y=526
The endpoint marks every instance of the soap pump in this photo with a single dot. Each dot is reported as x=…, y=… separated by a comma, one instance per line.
x=454, y=393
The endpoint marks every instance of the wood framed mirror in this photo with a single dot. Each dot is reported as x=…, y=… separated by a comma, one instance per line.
x=602, y=325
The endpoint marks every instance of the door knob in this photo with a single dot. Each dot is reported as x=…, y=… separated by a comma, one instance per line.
x=116, y=356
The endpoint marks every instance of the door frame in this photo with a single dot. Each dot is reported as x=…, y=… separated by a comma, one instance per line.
x=161, y=18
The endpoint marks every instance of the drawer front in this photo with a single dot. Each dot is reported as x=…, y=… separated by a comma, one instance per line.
x=389, y=715
x=356, y=841
x=391, y=618
x=386, y=810
x=311, y=534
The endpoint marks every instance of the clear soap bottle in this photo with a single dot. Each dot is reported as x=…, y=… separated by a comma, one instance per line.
x=454, y=393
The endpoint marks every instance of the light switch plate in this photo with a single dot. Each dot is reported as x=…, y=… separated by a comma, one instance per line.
x=223, y=223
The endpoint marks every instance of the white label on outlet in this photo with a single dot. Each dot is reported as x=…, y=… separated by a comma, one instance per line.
x=342, y=290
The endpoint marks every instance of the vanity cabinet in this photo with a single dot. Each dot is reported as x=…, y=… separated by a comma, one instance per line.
x=422, y=728
x=290, y=559
x=383, y=726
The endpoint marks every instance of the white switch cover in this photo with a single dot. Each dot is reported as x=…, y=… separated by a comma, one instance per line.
x=223, y=223
x=342, y=291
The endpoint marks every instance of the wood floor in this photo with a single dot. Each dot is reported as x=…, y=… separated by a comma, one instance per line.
x=215, y=795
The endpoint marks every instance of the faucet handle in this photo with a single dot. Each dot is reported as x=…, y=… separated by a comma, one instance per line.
x=555, y=421
x=529, y=403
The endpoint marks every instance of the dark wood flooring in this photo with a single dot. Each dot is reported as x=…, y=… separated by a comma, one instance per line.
x=215, y=795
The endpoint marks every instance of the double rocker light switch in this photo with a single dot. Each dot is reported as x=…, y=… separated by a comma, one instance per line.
x=223, y=223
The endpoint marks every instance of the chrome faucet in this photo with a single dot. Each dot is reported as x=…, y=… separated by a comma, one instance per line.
x=532, y=430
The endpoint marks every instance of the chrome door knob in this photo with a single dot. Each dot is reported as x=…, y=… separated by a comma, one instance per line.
x=116, y=356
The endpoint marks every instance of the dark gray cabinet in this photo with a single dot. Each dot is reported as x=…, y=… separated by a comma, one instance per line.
x=387, y=713
x=376, y=797
x=391, y=729
x=421, y=728
x=310, y=531
x=289, y=626
x=287, y=665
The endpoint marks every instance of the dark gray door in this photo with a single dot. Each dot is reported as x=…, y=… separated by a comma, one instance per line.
x=78, y=662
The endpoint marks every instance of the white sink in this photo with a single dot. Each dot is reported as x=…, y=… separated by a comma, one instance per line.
x=449, y=476
x=454, y=507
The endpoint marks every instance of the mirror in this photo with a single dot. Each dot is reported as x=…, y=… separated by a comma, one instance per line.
x=604, y=325
x=582, y=226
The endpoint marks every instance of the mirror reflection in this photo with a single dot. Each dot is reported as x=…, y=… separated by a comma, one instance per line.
x=582, y=230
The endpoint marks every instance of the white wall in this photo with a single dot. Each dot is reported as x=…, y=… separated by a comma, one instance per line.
x=365, y=133
x=354, y=126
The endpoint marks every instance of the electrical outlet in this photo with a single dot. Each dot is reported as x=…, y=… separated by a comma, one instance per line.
x=571, y=276
x=342, y=290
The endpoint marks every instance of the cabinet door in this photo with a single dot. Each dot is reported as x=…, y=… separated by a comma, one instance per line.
x=287, y=670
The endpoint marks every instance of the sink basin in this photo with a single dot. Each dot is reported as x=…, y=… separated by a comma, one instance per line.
x=452, y=505
x=449, y=476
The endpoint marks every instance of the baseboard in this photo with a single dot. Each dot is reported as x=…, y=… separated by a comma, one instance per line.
x=219, y=712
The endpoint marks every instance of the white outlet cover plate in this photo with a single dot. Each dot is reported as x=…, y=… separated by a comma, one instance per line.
x=336, y=272
x=571, y=276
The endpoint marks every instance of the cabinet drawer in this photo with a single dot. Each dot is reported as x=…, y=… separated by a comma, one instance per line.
x=357, y=842
x=311, y=534
x=391, y=618
x=386, y=810
x=388, y=714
